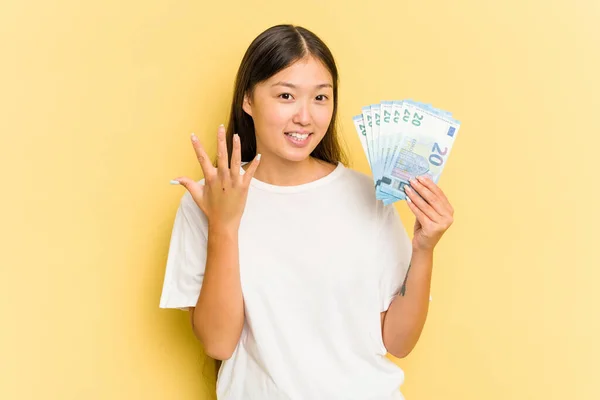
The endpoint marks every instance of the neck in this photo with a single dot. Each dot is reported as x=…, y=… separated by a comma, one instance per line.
x=280, y=172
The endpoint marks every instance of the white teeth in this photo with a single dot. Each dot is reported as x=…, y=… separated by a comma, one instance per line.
x=298, y=135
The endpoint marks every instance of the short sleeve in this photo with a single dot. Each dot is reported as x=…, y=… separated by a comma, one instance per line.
x=186, y=258
x=395, y=249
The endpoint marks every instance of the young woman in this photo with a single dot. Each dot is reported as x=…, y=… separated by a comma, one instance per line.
x=293, y=273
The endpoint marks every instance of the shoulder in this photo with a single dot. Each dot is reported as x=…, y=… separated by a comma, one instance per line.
x=361, y=187
x=359, y=179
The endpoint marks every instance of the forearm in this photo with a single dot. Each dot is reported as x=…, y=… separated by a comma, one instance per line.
x=407, y=313
x=219, y=313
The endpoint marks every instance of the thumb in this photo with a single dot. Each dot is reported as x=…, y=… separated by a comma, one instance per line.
x=195, y=189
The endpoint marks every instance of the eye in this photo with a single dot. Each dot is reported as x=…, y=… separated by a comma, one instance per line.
x=285, y=96
x=321, y=97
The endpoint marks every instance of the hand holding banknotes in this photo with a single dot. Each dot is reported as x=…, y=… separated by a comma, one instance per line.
x=407, y=144
x=431, y=208
x=223, y=196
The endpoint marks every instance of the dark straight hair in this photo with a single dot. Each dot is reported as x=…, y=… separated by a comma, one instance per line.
x=272, y=51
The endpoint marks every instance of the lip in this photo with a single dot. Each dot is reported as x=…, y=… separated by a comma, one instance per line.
x=299, y=143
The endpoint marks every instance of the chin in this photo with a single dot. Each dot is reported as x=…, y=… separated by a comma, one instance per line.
x=296, y=156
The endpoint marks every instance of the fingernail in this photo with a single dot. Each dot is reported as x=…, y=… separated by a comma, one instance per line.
x=174, y=182
x=413, y=181
x=236, y=136
x=221, y=126
x=407, y=188
x=408, y=199
x=421, y=178
x=258, y=156
x=194, y=137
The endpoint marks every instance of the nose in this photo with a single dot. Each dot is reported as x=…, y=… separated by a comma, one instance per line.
x=302, y=116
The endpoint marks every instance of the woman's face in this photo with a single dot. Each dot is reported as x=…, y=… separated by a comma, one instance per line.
x=292, y=110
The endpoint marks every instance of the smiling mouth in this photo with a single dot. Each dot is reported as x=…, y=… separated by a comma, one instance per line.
x=298, y=136
x=297, y=139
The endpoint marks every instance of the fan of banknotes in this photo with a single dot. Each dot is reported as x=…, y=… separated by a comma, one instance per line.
x=403, y=139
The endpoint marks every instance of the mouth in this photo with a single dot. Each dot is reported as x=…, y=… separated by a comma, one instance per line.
x=298, y=139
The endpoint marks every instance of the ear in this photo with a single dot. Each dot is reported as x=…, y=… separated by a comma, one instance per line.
x=246, y=105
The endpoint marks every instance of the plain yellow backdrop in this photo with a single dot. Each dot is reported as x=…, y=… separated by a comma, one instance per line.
x=97, y=101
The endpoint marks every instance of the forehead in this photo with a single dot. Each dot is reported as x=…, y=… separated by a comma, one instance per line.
x=307, y=72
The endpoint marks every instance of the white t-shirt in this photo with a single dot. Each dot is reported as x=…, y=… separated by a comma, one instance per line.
x=318, y=263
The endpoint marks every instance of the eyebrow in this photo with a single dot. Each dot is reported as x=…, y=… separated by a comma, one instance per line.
x=291, y=85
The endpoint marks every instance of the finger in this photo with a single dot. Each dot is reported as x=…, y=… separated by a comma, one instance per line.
x=421, y=217
x=222, y=163
x=430, y=184
x=251, y=170
x=421, y=204
x=202, y=157
x=437, y=203
x=191, y=186
x=236, y=158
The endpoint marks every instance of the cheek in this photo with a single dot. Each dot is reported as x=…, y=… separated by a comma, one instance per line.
x=274, y=116
x=322, y=116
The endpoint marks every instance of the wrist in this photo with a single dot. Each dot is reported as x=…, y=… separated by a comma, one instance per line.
x=423, y=245
x=422, y=252
x=226, y=230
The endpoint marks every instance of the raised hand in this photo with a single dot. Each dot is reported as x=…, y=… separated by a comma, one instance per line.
x=223, y=196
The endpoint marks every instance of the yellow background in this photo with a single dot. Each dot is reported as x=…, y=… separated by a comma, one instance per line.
x=97, y=101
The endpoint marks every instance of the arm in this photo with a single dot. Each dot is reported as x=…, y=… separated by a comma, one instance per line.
x=403, y=322
x=218, y=318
